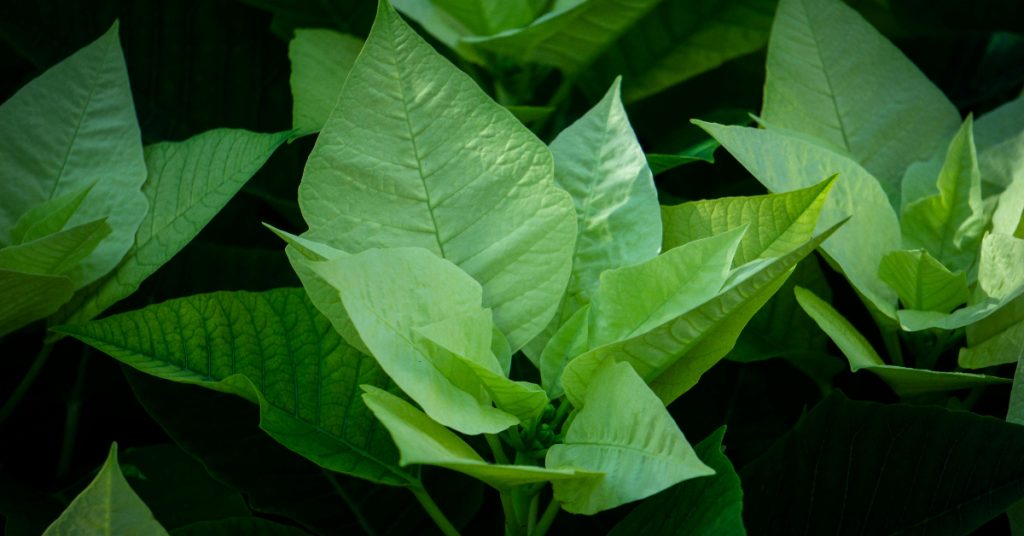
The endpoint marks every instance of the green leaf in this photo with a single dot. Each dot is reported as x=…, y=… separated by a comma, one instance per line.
x=70, y=130
x=949, y=224
x=321, y=60
x=570, y=36
x=598, y=160
x=421, y=440
x=778, y=223
x=673, y=356
x=922, y=282
x=784, y=162
x=272, y=348
x=391, y=295
x=835, y=78
x=633, y=300
x=189, y=183
x=55, y=254
x=679, y=40
x=49, y=217
x=484, y=17
x=701, y=152
x=442, y=25
x=903, y=470
x=712, y=505
x=1000, y=142
x=996, y=339
x=1000, y=280
x=107, y=506
x=238, y=526
x=904, y=381
x=451, y=171
x=571, y=340
x=30, y=297
x=620, y=429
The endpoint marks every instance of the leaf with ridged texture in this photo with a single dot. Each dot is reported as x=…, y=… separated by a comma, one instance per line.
x=922, y=282
x=422, y=440
x=673, y=356
x=679, y=40
x=598, y=160
x=189, y=183
x=835, y=78
x=569, y=37
x=858, y=351
x=712, y=505
x=783, y=162
x=905, y=470
x=1000, y=281
x=238, y=526
x=622, y=430
x=107, y=506
x=415, y=154
x=777, y=222
x=997, y=339
x=633, y=300
x=390, y=295
x=321, y=60
x=55, y=254
x=30, y=297
x=74, y=128
x=949, y=224
x=272, y=348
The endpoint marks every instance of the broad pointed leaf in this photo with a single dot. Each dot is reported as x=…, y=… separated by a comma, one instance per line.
x=778, y=223
x=835, y=78
x=922, y=282
x=622, y=430
x=272, y=348
x=55, y=254
x=189, y=182
x=74, y=129
x=569, y=37
x=1000, y=142
x=107, y=506
x=784, y=162
x=903, y=380
x=321, y=60
x=442, y=25
x=415, y=154
x=673, y=356
x=997, y=339
x=421, y=440
x=49, y=217
x=485, y=17
x=30, y=297
x=391, y=294
x=712, y=505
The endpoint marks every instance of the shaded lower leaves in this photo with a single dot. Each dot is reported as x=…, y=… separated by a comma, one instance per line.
x=854, y=467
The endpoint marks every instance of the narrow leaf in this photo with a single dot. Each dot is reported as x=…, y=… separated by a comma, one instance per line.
x=272, y=348
x=55, y=254
x=700, y=152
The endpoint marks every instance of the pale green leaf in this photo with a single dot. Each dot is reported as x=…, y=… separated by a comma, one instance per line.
x=777, y=222
x=673, y=356
x=441, y=24
x=189, y=182
x=997, y=339
x=922, y=282
x=48, y=217
x=70, y=130
x=571, y=340
x=633, y=300
x=1000, y=140
x=569, y=37
x=784, y=162
x=391, y=293
x=949, y=224
x=486, y=17
x=421, y=440
x=415, y=154
x=55, y=254
x=858, y=351
x=107, y=506
x=321, y=60
x=622, y=430
x=1000, y=280
x=30, y=297
x=1008, y=217
x=679, y=40
x=272, y=348
x=835, y=78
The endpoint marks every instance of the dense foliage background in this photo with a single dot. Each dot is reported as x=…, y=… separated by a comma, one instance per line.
x=201, y=64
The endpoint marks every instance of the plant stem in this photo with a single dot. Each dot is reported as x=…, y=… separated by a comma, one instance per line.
x=496, y=449
x=433, y=511
x=545, y=520
x=72, y=417
x=26, y=382
x=891, y=338
x=531, y=519
x=510, y=514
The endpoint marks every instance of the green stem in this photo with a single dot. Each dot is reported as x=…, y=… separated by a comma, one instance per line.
x=434, y=512
x=510, y=514
x=26, y=382
x=71, y=418
x=531, y=519
x=496, y=449
x=891, y=338
x=545, y=520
